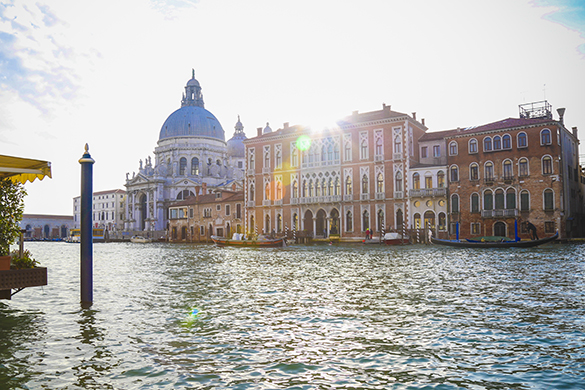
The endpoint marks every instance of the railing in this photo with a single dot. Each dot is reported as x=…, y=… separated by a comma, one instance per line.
x=397, y=156
x=380, y=195
x=347, y=197
x=379, y=158
x=266, y=170
x=398, y=194
x=278, y=202
x=422, y=192
x=250, y=172
x=266, y=202
x=364, y=196
x=499, y=213
x=294, y=200
x=251, y=203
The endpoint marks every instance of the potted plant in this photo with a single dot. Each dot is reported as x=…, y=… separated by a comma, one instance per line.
x=23, y=261
x=11, y=210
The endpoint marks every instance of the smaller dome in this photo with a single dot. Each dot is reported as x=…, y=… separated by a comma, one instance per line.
x=193, y=82
x=267, y=129
x=235, y=145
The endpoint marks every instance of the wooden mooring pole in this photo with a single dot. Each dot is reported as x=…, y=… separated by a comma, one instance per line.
x=86, y=228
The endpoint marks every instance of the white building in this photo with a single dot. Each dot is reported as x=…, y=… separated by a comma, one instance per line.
x=108, y=209
x=191, y=150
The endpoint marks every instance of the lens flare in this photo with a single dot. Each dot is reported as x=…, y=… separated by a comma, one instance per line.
x=303, y=143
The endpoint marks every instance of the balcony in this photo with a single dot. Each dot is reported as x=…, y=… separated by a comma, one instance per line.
x=426, y=192
x=397, y=156
x=266, y=171
x=380, y=195
x=294, y=200
x=278, y=202
x=364, y=196
x=250, y=172
x=251, y=203
x=347, y=197
x=499, y=213
x=379, y=158
x=398, y=195
x=266, y=202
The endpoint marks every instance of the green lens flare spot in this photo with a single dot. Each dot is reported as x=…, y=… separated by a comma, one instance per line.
x=303, y=143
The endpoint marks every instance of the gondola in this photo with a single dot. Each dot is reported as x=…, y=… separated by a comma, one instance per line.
x=494, y=244
x=258, y=243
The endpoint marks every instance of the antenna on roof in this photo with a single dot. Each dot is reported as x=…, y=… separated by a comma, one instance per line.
x=544, y=91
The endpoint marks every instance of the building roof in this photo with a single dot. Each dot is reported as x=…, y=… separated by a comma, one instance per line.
x=227, y=196
x=436, y=135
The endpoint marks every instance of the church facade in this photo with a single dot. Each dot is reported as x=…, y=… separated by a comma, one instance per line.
x=191, y=151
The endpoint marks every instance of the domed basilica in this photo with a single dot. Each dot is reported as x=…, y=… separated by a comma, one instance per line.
x=191, y=157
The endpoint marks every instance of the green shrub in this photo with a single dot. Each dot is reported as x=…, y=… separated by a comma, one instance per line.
x=24, y=261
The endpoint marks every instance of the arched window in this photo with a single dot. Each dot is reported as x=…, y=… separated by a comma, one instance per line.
x=416, y=181
x=365, y=189
x=278, y=158
x=474, y=171
x=453, y=148
x=267, y=224
x=547, y=167
x=278, y=223
x=545, y=138
x=441, y=179
x=311, y=187
x=337, y=187
x=323, y=153
x=267, y=191
x=472, y=146
x=182, y=165
x=379, y=146
x=507, y=170
x=336, y=152
x=454, y=173
x=506, y=141
x=488, y=200
x=348, y=186
x=295, y=222
x=305, y=188
x=428, y=181
x=399, y=219
x=454, y=203
x=398, y=180
x=380, y=183
x=364, y=149
x=548, y=197
x=510, y=199
x=442, y=221
x=474, y=203
x=278, y=190
x=295, y=189
x=365, y=220
x=487, y=144
x=330, y=152
x=348, y=221
x=330, y=187
x=380, y=220
x=194, y=166
x=522, y=140
x=397, y=144
x=252, y=192
x=489, y=171
x=499, y=199
x=524, y=200
x=318, y=189
x=497, y=142
x=416, y=220
x=523, y=167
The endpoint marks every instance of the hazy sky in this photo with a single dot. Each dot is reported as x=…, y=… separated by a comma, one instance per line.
x=109, y=73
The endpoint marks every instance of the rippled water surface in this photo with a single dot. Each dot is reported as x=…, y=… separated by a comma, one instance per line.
x=314, y=317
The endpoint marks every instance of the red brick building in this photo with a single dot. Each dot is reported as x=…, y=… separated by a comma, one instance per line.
x=513, y=171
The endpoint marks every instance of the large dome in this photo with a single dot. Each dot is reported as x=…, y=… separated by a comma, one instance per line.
x=192, y=121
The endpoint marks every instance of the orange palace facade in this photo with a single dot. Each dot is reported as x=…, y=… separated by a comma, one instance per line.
x=332, y=183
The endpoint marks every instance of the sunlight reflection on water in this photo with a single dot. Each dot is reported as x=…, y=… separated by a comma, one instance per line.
x=299, y=317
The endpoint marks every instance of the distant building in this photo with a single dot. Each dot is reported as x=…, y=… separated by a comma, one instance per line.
x=108, y=209
x=46, y=227
x=199, y=217
x=191, y=152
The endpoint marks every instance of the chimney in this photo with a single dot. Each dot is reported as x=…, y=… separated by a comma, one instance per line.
x=354, y=112
x=575, y=131
x=197, y=188
x=259, y=129
x=423, y=121
x=204, y=189
x=414, y=115
x=561, y=112
x=234, y=187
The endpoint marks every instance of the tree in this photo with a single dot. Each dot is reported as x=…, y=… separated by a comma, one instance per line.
x=11, y=210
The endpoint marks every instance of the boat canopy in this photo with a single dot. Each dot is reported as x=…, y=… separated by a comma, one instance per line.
x=22, y=170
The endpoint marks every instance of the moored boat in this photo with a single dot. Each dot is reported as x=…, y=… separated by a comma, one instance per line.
x=240, y=240
x=140, y=239
x=393, y=238
x=502, y=243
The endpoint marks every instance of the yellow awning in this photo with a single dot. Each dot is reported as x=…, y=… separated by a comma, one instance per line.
x=23, y=169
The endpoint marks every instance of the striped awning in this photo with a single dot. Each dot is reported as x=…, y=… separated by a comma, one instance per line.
x=23, y=169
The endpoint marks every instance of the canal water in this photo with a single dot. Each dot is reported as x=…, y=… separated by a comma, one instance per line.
x=301, y=317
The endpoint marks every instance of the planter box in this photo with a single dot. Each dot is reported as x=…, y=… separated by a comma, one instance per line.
x=21, y=278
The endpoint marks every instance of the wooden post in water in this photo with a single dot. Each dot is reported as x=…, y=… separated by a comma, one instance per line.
x=86, y=228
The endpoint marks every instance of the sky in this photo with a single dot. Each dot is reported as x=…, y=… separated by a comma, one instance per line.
x=109, y=73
